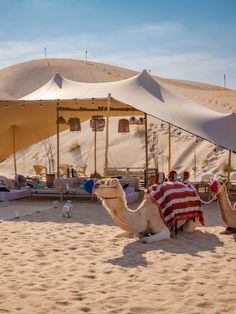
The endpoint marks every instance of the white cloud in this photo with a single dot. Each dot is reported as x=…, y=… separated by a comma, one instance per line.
x=168, y=49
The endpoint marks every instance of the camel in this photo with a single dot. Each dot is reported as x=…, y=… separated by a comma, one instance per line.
x=146, y=222
x=218, y=187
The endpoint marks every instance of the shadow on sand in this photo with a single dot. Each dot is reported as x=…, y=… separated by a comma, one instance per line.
x=191, y=244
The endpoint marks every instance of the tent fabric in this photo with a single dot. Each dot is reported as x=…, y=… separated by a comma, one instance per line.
x=34, y=115
x=145, y=94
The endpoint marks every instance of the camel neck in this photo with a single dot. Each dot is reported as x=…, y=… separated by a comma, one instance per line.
x=123, y=217
x=226, y=209
x=223, y=199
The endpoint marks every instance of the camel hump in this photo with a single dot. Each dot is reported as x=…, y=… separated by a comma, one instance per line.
x=174, y=187
x=176, y=201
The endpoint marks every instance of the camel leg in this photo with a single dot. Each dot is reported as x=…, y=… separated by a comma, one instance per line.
x=190, y=225
x=230, y=230
x=162, y=235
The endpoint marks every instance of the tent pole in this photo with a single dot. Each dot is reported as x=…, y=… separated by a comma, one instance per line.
x=169, y=140
x=229, y=167
x=14, y=146
x=107, y=135
x=95, y=147
x=195, y=162
x=58, y=145
x=146, y=151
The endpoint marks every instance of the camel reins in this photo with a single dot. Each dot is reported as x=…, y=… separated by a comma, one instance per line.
x=107, y=187
x=213, y=199
x=215, y=196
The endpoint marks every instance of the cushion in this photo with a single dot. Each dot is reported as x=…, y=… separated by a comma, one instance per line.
x=4, y=181
x=21, y=180
x=14, y=194
x=233, y=176
x=4, y=189
x=207, y=176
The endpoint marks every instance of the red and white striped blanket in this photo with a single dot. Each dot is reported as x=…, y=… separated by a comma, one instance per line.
x=177, y=201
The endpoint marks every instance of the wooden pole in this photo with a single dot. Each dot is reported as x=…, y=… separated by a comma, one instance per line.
x=229, y=167
x=58, y=144
x=195, y=162
x=107, y=136
x=146, y=151
x=95, y=147
x=14, y=146
x=169, y=145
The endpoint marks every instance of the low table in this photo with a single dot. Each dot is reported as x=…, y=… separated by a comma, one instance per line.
x=202, y=187
x=61, y=192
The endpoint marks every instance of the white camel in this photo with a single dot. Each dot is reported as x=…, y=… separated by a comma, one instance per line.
x=146, y=222
x=218, y=187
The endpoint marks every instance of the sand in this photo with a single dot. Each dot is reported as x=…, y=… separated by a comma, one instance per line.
x=84, y=264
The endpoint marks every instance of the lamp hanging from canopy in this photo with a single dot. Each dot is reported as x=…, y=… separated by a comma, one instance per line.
x=61, y=120
x=141, y=121
x=74, y=124
x=97, y=123
x=133, y=120
x=123, y=126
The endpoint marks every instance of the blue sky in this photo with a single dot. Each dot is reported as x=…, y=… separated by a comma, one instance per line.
x=183, y=39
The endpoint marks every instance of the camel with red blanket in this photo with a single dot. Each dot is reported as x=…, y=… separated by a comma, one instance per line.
x=172, y=205
x=218, y=187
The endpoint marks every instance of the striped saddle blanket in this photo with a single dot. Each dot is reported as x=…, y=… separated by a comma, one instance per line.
x=177, y=201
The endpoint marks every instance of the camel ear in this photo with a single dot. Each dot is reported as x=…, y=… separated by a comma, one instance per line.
x=225, y=180
x=222, y=178
x=108, y=181
x=114, y=182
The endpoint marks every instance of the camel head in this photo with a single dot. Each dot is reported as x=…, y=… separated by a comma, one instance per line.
x=109, y=188
x=219, y=185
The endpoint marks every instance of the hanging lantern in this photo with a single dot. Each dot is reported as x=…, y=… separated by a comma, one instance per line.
x=74, y=124
x=61, y=120
x=123, y=126
x=133, y=120
x=141, y=121
x=97, y=123
x=98, y=129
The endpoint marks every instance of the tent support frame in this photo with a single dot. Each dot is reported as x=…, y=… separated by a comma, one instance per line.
x=107, y=135
x=14, y=146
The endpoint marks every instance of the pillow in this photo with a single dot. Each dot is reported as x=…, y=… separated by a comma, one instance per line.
x=124, y=186
x=5, y=181
x=21, y=180
x=4, y=189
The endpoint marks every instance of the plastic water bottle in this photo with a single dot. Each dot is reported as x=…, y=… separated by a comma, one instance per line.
x=69, y=203
x=67, y=209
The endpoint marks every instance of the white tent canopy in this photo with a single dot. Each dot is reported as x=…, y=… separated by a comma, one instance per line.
x=32, y=118
x=145, y=94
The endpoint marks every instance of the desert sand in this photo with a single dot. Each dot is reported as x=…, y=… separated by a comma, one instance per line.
x=84, y=264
